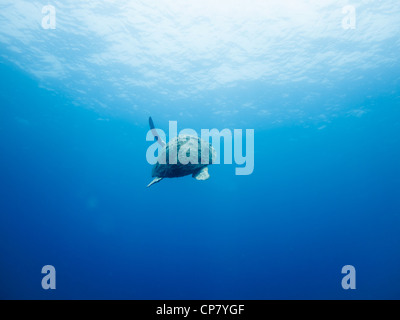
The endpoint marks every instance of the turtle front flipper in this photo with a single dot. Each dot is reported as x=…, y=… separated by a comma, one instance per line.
x=155, y=134
x=201, y=174
x=157, y=179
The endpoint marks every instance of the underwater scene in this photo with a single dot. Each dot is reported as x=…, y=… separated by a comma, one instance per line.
x=198, y=149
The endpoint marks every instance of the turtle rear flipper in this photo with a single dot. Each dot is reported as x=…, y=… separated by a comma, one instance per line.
x=201, y=174
x=157, y=179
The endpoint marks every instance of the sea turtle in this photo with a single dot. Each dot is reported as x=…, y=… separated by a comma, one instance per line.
x=167, y=167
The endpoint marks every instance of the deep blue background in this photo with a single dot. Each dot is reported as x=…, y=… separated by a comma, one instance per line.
x=72, y=194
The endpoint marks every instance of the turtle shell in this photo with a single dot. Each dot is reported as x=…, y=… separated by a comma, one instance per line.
x=179, y=157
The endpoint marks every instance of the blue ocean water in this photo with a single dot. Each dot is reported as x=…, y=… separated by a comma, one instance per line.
x=324, y=103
